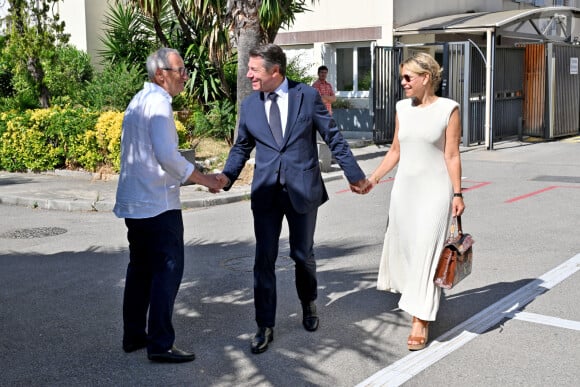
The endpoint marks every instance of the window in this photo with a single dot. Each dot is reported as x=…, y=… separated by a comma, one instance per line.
x=353, y=69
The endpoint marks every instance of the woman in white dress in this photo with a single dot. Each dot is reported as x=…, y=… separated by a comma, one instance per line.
x=426, y=192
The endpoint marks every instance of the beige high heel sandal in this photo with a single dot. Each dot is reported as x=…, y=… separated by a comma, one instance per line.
x=419, y=342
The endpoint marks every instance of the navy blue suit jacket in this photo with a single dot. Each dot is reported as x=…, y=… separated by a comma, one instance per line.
x=297, y=158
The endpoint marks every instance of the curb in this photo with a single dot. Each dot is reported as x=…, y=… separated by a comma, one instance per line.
x=107, y=206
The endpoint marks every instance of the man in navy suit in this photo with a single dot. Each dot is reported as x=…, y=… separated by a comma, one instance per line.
x=281, y=119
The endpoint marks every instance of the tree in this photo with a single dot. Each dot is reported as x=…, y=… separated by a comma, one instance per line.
x=197, y=28
x=256, y=22
x=34, y=35
x=207, y=23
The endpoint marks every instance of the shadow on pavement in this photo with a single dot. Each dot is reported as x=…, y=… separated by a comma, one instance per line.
x=63, y=315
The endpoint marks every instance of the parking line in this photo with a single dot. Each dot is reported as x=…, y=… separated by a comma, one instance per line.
x=476, y=186
x=409, y=366
x=517, y=198
x=546, y=320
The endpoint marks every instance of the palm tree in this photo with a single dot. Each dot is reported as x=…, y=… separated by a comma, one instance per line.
x=209, y=22
x=256, y=22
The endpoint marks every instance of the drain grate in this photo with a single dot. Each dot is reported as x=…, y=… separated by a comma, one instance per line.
x=246, y=264
x=30, y=233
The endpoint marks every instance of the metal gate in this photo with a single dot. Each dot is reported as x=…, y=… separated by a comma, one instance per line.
x=464, y=66
x=563, y=92
x=552, y=90
x=457, y=83
x=386, y=92
x=534, y=89
x=508, y=86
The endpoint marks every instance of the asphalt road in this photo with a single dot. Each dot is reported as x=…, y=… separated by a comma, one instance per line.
x=514, y=321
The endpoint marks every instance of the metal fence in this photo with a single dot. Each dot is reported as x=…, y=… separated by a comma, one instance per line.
x=563, y=91
x=386, y=91
x=508, y=95
x=536, y=89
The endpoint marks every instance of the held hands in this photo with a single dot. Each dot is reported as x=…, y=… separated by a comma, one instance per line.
x=362, y=187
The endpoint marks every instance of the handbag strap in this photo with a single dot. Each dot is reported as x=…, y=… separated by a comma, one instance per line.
x=455, y=222
x=459, y=228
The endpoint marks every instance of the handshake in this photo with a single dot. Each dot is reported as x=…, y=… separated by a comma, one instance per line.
x=215, y=182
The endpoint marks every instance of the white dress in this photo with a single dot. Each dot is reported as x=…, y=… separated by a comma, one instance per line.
x=420, y=208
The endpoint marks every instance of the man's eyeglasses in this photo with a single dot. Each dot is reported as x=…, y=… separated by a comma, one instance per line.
x=181, y=70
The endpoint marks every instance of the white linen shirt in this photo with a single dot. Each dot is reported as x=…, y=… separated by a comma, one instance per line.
x=152, y=169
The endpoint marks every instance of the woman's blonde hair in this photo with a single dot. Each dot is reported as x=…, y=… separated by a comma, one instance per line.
x=423, y=63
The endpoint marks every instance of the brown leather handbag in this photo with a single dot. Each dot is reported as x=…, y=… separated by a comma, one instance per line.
x=456, y=258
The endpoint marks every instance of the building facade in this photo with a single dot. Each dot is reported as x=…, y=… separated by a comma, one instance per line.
x=341, y=34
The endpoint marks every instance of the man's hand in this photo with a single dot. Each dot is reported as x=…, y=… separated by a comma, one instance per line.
x=215, y=181
x=222, y=181
x=363, y=186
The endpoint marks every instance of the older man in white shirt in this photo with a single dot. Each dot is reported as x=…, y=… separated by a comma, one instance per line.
x=152, y=171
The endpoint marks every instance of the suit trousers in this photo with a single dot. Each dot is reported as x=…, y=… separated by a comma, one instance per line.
x=267, y=228
x=154, y=273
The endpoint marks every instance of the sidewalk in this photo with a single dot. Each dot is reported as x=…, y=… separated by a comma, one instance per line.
x=85, y=191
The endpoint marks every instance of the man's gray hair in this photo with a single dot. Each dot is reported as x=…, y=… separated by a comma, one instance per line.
x=159, y=60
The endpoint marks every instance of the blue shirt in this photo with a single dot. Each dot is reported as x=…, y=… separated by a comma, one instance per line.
x=152, y=169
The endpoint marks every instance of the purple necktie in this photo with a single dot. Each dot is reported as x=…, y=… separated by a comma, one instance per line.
x=275, y=120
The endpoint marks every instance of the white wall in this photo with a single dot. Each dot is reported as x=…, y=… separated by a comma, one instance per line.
x=334, y=14
x=84, y=22
x=73, y=13
x=3, y=13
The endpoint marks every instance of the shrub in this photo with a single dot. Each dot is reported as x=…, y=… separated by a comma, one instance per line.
x=43, y=139
x=298, y=72
x=113, y=88
x=219, y=122
x=68, y=76
x=74, y=125
x=46, y=139
x=6, y=89
x=25, y=145
x=341, y=103
x=108, y=135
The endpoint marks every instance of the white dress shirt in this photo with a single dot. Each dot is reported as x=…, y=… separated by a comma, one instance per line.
x=152, y=169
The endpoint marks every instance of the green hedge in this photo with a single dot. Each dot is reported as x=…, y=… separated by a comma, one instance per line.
x=59, y=138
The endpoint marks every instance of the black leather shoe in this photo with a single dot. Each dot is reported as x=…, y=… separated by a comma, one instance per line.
x=263, y=337
x=309, y=317
x=132, y=346
x=174, y=355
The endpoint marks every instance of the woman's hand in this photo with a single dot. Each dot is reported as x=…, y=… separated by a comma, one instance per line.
x=458, y=207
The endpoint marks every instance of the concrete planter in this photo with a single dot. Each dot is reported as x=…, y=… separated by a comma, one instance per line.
x=353, y=120
x=189, y=154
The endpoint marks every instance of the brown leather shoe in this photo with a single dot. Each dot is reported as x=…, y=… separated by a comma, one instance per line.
x=416, y=343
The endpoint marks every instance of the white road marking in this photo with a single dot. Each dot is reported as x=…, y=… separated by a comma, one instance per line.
x=546, y=320
x=409, y=366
